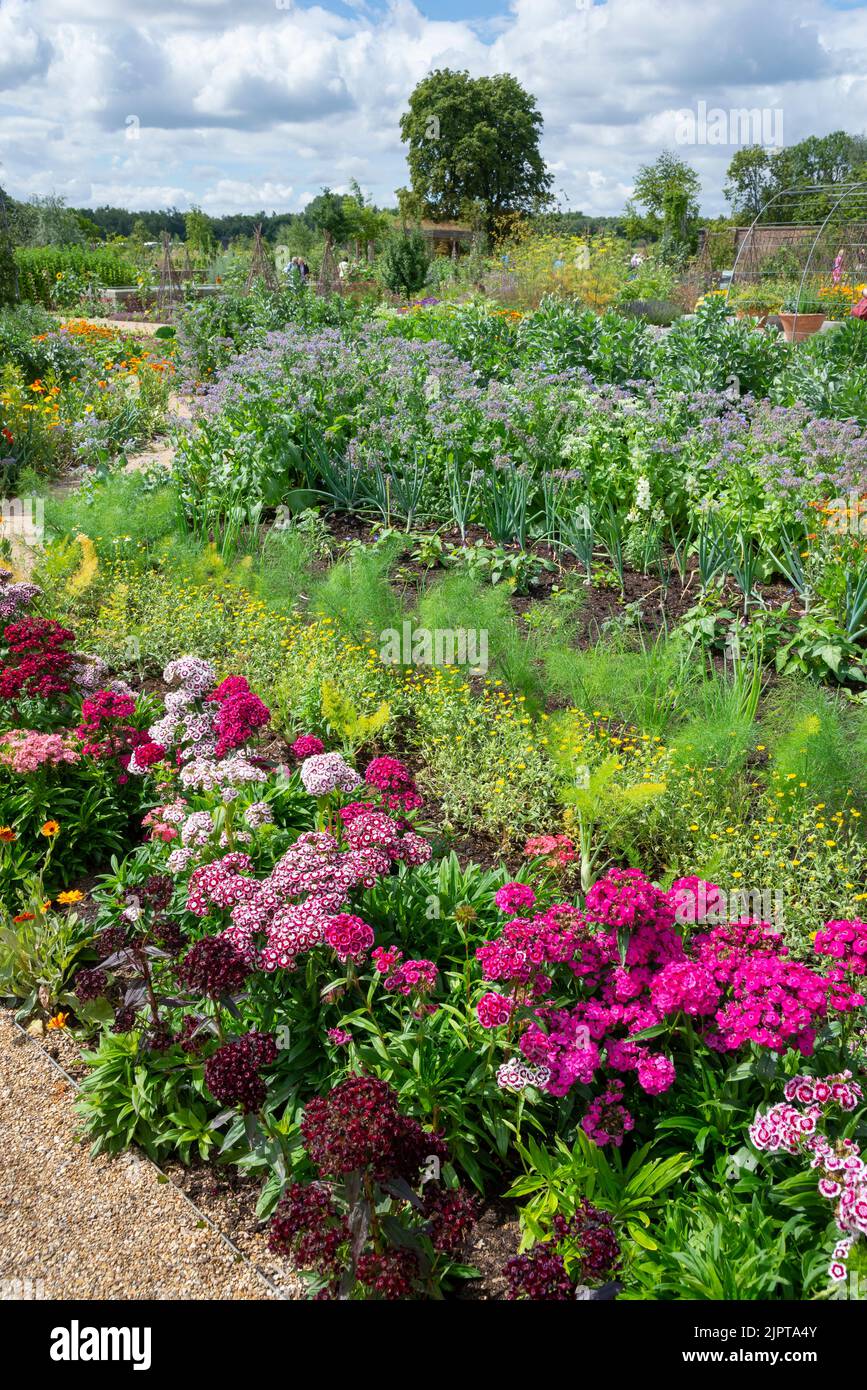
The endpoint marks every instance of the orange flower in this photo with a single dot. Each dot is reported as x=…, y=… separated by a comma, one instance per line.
x=7, y=834
x=58, y=1021
x=25, y=917
x=49, y=829
x=72, y=896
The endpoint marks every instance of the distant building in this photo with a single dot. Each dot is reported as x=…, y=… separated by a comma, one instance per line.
x=447, y=238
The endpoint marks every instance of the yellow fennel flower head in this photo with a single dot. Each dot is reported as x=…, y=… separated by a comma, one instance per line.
x=86, y=572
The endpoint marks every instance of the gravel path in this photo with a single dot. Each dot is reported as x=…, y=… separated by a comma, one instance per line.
x=139, y=328
x=77, y=1227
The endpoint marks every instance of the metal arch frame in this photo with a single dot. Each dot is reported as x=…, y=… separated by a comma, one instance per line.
x=841, y=199
x=846, y=190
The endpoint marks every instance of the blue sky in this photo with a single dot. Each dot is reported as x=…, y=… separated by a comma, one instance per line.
x=237, y=107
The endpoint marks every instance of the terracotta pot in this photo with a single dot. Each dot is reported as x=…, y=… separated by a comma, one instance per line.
x=796, y=327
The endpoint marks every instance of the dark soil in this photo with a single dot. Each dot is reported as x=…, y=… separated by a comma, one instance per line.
x=494, y=1240
x=649, y=605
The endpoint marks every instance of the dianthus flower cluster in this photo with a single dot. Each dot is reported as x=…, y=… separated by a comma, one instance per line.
x=257, y=814
x=374, y=830
x=793, y=1126
x=357, y=1139
x=324, y=773
x=14, y=595
x=191, y=673
x=558, y=850
x=308, y=1228
x=528, y=947
x=516, y=1075
x=348, y=936
x=240, y=714
x=767, y=998
x=163, y=821
x=406, y=977
x=846, y=944
x=25, y=750
x=494, y=1010
x=225, y=776
x=90, y=984
x=298, y=906
x=391, y=1273
x=395, y=784
x=106, y=732
x=232, y=1073
x=450, y=1214
x=39, y=660
x=306, y=746
x=514, y=897
x=735, y=981
x=584, y=1244
x=214, y=967
x=197, y=829
x=607, y=1119
x=205, y=723
x=145, y=755
x=358, y=1126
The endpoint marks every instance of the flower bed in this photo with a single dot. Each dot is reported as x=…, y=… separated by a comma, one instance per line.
x=295, y=985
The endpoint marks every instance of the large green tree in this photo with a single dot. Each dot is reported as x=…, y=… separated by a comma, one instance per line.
x=474, y=139
x=749, y=181
x=665, y=204
x=326, y=213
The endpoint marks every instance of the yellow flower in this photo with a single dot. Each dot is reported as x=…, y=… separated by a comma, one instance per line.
x=72, y=896
x=49, y=829
x=7, y=834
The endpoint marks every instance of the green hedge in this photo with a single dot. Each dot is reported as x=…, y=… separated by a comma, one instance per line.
x=39, y=267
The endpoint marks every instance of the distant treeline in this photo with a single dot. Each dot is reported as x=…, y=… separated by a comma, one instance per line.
x=120, y=222
x=581, y=224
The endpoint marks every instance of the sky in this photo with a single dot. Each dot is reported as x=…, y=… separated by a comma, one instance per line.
x=241, y=105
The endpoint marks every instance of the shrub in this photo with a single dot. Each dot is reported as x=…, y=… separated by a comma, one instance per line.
x=404, y=263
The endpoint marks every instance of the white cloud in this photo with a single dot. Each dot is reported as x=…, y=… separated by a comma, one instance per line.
x=24, y=51
x=236, y=107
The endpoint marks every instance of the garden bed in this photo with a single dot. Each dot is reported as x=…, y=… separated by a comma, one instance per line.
x=534, y=973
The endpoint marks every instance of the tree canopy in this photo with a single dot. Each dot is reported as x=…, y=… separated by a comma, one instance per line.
x=665, y=203
x=474, y=139
x=757, y=175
